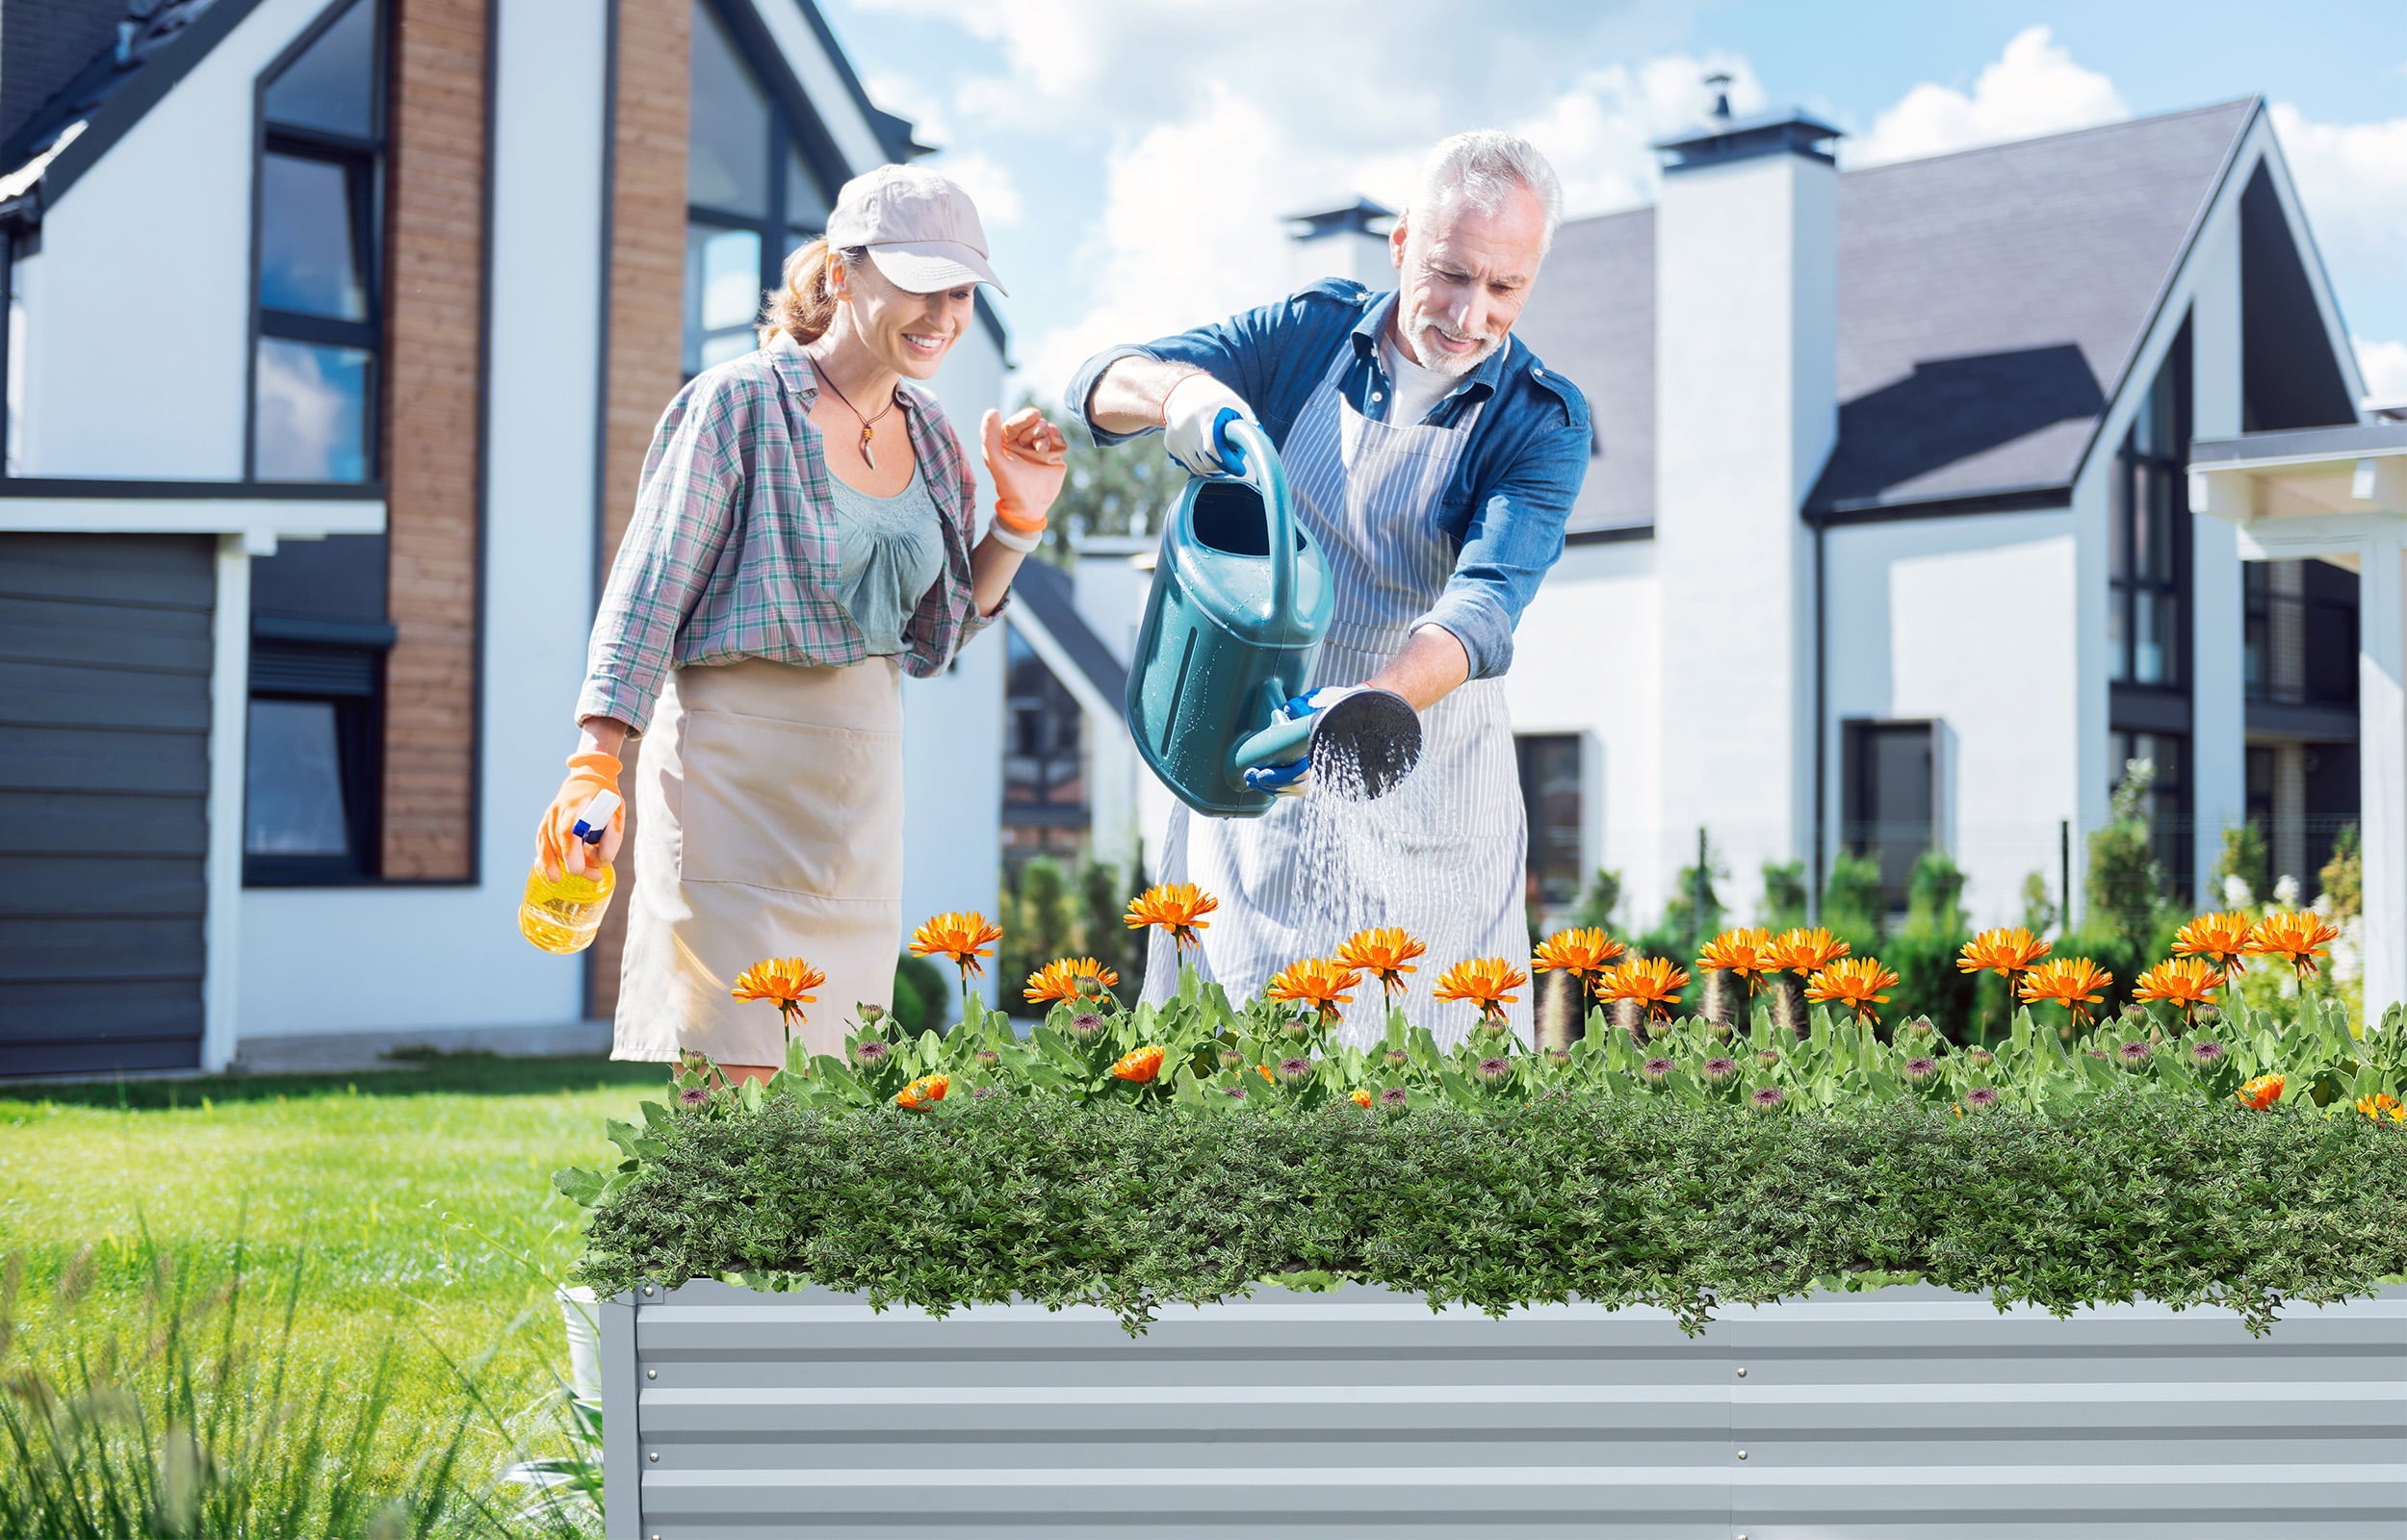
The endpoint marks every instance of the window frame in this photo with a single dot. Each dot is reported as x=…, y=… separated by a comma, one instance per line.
x=2135, y=473
x=371, y=233
x=792, y=125
x=1533, y=894
x=1855, y=734
x=358, y=745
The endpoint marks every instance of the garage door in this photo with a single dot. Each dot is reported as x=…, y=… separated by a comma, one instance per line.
x=104, y=785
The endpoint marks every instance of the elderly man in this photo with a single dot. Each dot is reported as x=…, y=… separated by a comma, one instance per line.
x=1434, y=458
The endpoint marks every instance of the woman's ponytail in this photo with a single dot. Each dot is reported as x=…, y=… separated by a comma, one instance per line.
x=806, y=307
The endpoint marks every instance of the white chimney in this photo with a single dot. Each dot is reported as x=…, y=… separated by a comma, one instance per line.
x=1350, y=242
x=1746, y=413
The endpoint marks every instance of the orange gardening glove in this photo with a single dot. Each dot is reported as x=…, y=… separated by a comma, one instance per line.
x=555, y=837
x=1026, y=459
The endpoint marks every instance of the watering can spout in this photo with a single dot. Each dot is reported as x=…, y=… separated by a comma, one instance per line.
x=1361, y=746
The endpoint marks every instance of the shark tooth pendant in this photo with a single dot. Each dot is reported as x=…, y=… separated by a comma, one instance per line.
x=866, y=434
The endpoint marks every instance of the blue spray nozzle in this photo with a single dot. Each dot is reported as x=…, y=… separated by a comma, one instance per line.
x=595, y=821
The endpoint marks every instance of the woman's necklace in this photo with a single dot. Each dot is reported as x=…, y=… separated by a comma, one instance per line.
x=868, y=424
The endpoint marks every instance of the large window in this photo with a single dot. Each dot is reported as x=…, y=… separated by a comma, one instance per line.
x=320, y=210
x=2301, y=620
x=1890, y=776
x=2149, y=543
x=754, y=192
x=1550, y=798
x=313, y=770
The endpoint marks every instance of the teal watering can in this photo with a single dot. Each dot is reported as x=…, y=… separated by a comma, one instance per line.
x=1240, y=603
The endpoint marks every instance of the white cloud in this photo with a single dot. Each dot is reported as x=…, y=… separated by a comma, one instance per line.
x=2384, y=368
x=2033, y=87
x=909, y=96
x=988, y=182
x=2353, y=179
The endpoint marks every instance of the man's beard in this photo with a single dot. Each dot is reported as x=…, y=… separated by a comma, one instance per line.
x=1438, y=360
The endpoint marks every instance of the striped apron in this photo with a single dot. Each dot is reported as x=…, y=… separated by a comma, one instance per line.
x=1443, y=855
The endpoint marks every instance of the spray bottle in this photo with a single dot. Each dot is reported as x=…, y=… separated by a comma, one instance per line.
x=562, y=914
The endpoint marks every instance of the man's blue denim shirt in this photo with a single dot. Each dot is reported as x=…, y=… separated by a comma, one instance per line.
x=1512, y=490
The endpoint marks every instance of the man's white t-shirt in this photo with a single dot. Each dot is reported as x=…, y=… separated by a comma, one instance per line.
x=1418, y=389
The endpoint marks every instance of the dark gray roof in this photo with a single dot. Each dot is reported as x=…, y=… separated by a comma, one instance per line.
x=1047, y=590
x=1990, y=303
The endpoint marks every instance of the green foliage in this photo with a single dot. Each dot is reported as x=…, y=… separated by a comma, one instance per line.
x=1682, y=1203
x=1687, y=925
x=2125, y=883
x=1119, y=490
x=2039, y=910
x=1852, y=903
x=1603, y=895
x=1784, y=905
x=2244, y=858
x=2343, y=877
x=922, y=993
x=1037, y=925
x=1103, y=932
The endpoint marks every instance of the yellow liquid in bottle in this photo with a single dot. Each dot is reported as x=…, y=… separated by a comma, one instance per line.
x=563, y=914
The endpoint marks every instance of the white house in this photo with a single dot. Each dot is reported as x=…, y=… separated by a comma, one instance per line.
x=336, y=332
x=1889, y=542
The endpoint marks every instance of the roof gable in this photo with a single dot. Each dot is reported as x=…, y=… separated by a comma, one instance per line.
x=1991, y=304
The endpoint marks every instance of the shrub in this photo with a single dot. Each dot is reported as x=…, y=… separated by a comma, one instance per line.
x=922, y=993
x=1618, y=1202
x=2124, y=881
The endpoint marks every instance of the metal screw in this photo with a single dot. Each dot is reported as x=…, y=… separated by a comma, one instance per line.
x=1742, y=1455
x=651, y=1373
x=647, y=1291
x=653, y=1457
x=1741, y=1375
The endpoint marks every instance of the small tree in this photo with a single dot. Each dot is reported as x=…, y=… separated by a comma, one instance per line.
x=1784, y=895
x=2039, y=910
x=2244, y=859
x=1852, y=903
x=2344, y=876
x=2125, y=881
x=1103, y=932
x=1602, y=897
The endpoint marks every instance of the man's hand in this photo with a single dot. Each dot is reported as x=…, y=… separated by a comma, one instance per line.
x=1293, y=777
x=1196, y=416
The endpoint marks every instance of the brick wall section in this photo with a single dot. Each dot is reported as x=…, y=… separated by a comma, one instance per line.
x=646, y=308
x=433, y=421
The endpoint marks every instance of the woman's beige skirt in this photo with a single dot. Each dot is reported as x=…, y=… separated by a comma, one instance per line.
x=768, y=823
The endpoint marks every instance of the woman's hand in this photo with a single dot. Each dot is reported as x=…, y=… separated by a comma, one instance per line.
x=589, y=774
x=1026, y=459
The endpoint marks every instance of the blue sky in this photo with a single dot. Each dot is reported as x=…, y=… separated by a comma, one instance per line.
x=1132, y=156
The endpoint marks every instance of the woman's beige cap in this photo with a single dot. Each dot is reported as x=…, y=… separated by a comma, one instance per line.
x=922, y=230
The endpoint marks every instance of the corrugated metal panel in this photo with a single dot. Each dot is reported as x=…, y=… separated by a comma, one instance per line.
x=1909, y=1412
x=105, y=646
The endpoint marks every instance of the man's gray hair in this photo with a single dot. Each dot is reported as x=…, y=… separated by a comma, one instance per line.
x=1482, y=167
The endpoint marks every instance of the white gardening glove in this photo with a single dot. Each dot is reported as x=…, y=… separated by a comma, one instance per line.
x=1195, y=418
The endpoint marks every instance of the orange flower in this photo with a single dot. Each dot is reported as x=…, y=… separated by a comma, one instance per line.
x=1316, y=982
x=1139, y=1065
x=1745, y=953
x=2074, y=983
x=1655, y=982
x=963, y=938
x=785, y=980
x=1487, y=982
x=1361, y=1097
x=1266, y=1074
x=2222, y=940
x=2184, y=981
x=2005, y=951
x=2298, y=935
x=2380, y=1105
x=1386, y=953
x=1066, y=978
x=2261, y=1093
x=1804, y=952
x=1855, y=983
x=1178, y=908
x=925, y=1091
x=1581, y=953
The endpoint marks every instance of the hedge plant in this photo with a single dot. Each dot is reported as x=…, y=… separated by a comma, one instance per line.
x=1185, y=1152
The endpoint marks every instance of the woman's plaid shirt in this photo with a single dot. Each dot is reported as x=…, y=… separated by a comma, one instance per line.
x=732, y=550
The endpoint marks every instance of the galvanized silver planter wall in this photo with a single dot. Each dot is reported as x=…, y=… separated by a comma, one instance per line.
x=1904, y=1414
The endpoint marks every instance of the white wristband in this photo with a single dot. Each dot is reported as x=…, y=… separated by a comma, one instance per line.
x=1002, y=535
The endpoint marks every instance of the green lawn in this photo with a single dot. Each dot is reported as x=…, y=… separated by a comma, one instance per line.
x=402, y=1195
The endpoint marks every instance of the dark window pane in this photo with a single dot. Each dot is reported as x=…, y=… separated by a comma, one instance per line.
x=1891, y=802
x=293, y=781
x=722, y=294
x=728, y=159
x=311, y=413
x=333, y=86
x=806, y=198
x=308, y=237
x=2153, y=640
x=1550, y=802
x=2118, y=632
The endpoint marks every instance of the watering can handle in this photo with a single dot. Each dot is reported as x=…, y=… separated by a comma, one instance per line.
x=1266, y=474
